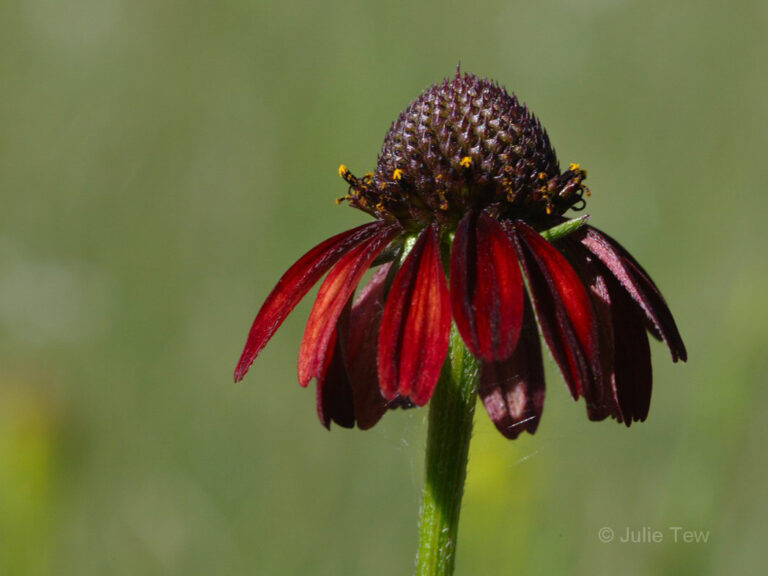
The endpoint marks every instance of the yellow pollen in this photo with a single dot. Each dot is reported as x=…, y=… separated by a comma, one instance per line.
x=466, y=162
x=340, y=200
x=380, y=207
x=443, y=199
x=542, y=175
x=549, y=209
x=397, y=174
x=574, y=167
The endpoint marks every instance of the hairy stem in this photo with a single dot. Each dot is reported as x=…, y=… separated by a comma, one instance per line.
x=451, y=413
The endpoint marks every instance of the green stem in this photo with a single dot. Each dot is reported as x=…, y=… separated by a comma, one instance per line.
x=451, y=413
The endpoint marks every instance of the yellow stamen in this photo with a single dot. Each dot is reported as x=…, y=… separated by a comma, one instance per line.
x=549, y=209
x=466, y=162
x=443, y=199
x=343, y=171
x=542, y=175
x=574, y=167
x=397, y=174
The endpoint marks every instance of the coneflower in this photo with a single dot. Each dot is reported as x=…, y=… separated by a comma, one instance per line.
x=468, y=200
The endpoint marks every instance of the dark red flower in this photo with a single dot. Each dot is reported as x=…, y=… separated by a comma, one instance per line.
x=466, y=184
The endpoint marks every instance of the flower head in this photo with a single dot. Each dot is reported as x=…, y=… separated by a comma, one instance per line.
x=466, y=187
x=463, y=146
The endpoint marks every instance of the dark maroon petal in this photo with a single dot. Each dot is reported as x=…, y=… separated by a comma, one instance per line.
x=513, y=390
x=600, y=395
x=294, y=285
x=334, y=393
x=602, y=400
x=361, y=349
x=486, y=288
x=638, y=284
x=562, y=303
x=413, y=342
x=632, y=362
x=334, y=293
x=624, y=389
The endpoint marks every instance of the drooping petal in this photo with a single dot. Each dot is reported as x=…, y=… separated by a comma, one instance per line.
x=624, y=388
x=513, y=390
x=600, y=396
x=632, y=363
x=415, y=328
x=638, y=285
x=294, y=285
x=602, y=399
x=486, y=288
x=361, y=349
x=334, y=393
x=563, y=306
x=331, y=299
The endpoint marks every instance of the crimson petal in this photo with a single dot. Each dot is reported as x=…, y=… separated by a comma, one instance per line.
x=513, y=390
x=331, y=299
x=415, y=328
x=563, y=306
x=294, y=285
x=639, y=285
x=486, y=288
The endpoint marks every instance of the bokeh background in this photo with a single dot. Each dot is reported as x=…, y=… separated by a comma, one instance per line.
x=162, y=163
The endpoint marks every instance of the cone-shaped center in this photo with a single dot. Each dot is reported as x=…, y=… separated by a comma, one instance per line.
x=465, y=144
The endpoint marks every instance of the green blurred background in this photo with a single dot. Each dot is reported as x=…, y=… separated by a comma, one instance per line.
x=162, y=163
